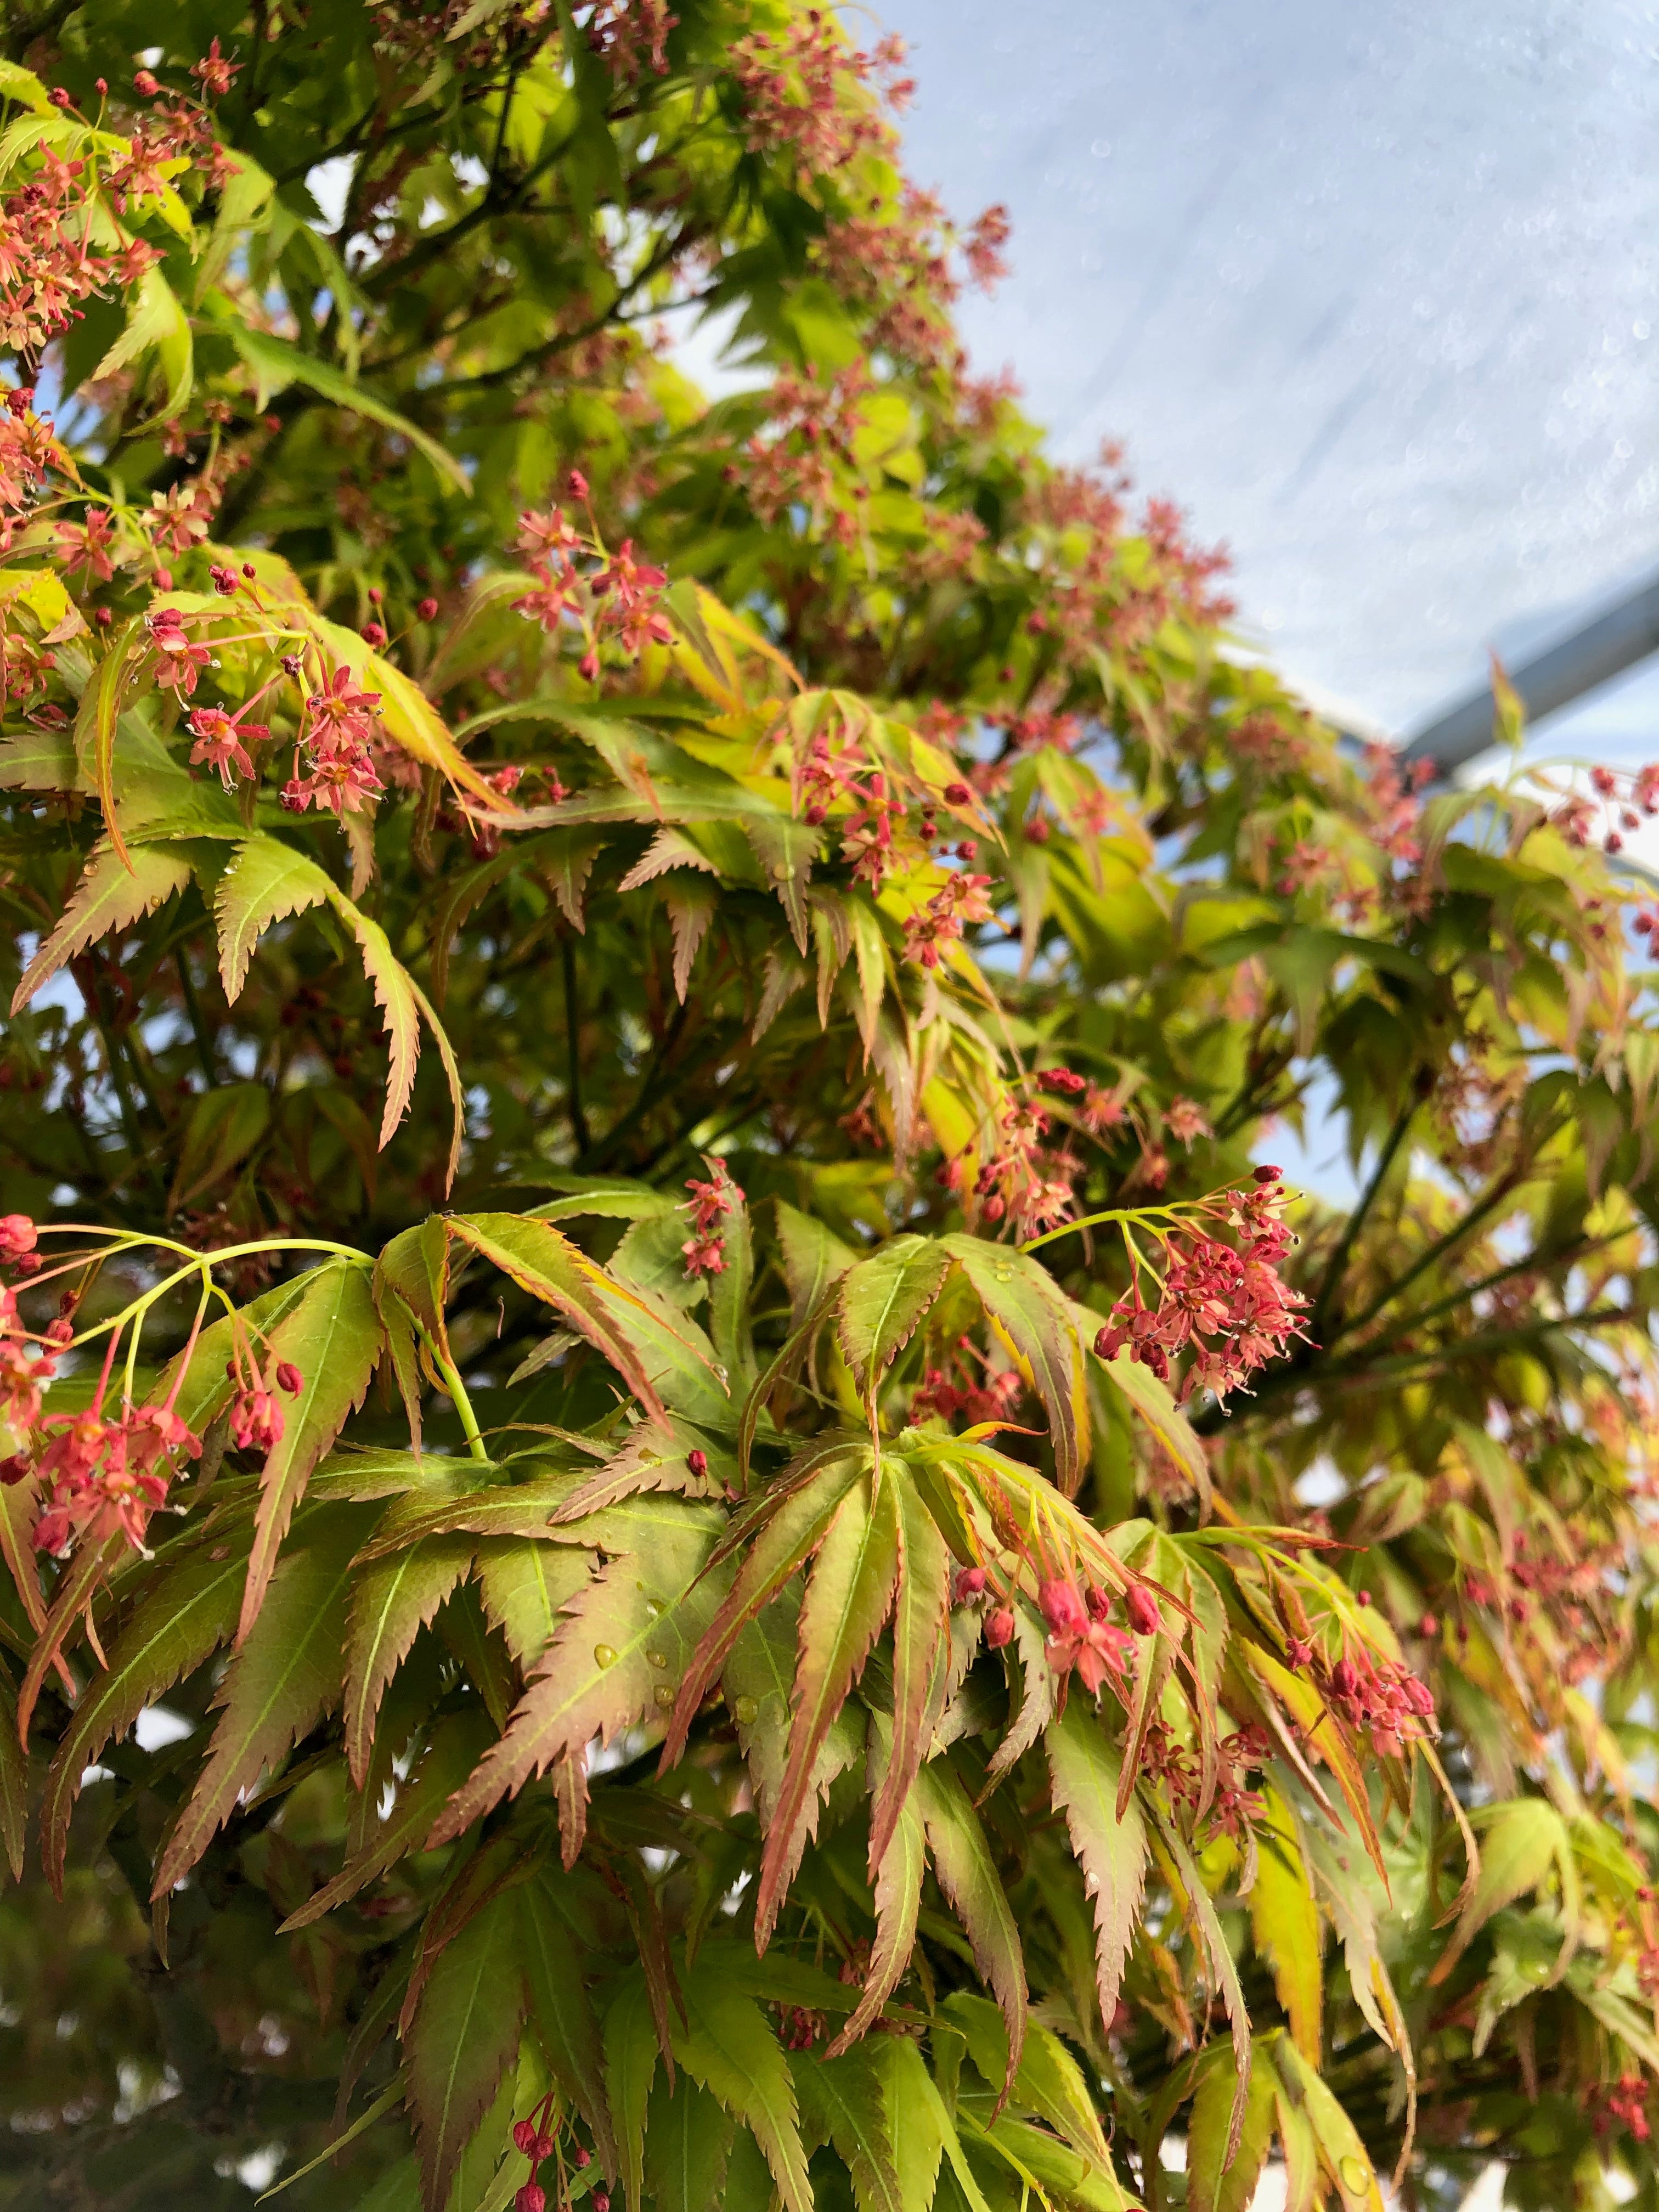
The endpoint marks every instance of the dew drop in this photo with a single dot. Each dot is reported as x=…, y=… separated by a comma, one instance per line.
x=654, y=1607
x=658, y=1658
x=664, y=1694
x=1355, y=2176
x=747, y=1710
x=605, y=1654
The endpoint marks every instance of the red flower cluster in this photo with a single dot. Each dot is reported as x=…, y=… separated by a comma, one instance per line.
x=1023, y=1183
x=955, y=1392
x=1234, y=1806
x=1369, y=1692
x=810, y=426
x=1623, y=2105
x=805, y=92
x=1081, y=1638
x=802, y=2027
x=337, y=739
x=961, y=899
x=256, y=1412
x=900, y=260
x=868, y=840
x=47, y=266
x=829, y=768
x=708, y=1205
x=631, y=36
x=101, y=1475
x=21, y=1373
x=1614, y=806
x=1224, y=1304
x=107, y=1476
x=1029, y=731
x=619, y=598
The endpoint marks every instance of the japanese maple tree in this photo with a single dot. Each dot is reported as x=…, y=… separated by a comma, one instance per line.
x=689, y=1514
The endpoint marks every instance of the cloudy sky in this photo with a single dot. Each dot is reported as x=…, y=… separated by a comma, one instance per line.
x=1372, y=292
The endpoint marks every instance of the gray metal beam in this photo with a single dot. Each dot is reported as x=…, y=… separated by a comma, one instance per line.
x=1604, y=648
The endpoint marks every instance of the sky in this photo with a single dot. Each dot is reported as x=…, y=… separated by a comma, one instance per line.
x=1372, y=292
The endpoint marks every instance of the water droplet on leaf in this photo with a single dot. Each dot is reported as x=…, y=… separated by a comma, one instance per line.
x=1355, y=2176
x=663, y=1695
x=605, y=1654
x=747, y=1710
x=658, y=1658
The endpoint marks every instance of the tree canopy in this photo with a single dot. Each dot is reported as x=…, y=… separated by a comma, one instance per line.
x=690, y=1515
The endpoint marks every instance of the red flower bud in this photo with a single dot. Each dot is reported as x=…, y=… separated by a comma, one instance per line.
x=1063, y=1609
x=543, y=2148
x=999, y=1628
x=1265, y=1174
x=59, y=97
x=1429, y=1625
x=427, y=609
x=970, y=1583
x=995, y=1207
x=18, y=1235
x=1141, y=1607
x=289, y=1378
x=1344, y=1681
x=581, y=2156
x=579, y=490
x=957, y=794
x=524, y=2137
x=698, y=1463
x=533, y=2197
x=601, y=2201
x=145, y=85
x=373, y=635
